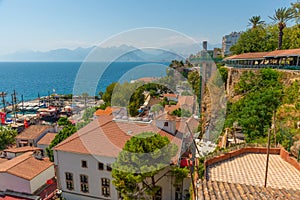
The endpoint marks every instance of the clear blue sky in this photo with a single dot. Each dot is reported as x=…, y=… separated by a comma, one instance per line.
x=50, y=24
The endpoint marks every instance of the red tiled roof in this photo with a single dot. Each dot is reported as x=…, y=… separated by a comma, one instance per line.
x=25, y=166
x=170, y=95
x=33, y=132
x=47, y=139
x=107, y=137
x=283, y=53
x=21, y=149
x=108, y=111
x=248, y=56
x=262, y=55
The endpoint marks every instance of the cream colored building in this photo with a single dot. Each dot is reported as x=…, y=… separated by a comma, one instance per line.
x=25, y=173
x=83, y=160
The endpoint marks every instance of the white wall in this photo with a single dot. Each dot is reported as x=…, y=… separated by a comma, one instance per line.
x=42, y=146
x=11, y=182
x=41, y=179
x=71, y=162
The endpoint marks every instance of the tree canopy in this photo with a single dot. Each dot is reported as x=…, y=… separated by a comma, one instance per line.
x=142, y=157
x=67, y=131
x=7, y=136
x=262, y=95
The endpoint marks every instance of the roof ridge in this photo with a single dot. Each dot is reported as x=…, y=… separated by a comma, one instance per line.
x=18, y=161
x=82, y=134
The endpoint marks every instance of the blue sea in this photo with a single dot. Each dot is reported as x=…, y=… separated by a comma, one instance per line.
x=32, y=78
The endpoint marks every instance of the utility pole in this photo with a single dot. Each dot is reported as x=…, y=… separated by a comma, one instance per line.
x=15, y=103
x=22, y=104
x=274, y=127
x=3, y=95
x=268, y=155
x=39, y=98
x=12, y=106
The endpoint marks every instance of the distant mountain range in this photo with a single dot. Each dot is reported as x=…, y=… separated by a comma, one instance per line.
x=121, y=54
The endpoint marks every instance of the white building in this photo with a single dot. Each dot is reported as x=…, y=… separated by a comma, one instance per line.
x=25, y=173
x=228, y=41
x=83, y=161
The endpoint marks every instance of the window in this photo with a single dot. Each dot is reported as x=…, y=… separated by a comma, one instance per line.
x=69, y=181
x=178, y=193
x=166, y=124
x=108, y=167
x=84, y=184
x=100, y=166
x=158, y=194
x=105, y=182
x=83, y=164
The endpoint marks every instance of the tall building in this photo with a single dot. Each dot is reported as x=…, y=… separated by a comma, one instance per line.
x=228, y=41
x=204, y=45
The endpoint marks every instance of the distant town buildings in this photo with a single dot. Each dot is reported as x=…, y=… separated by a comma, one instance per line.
x=228, y=41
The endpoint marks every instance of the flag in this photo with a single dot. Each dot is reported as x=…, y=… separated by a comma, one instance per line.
x=2, y=116
x=26, y=124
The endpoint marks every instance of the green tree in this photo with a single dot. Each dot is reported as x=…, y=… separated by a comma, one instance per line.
x=262, y=95
x=63, y=121
x=281, y=17
x=255, y=21
x=61, y=136
x=252, y=40
x=108, y=93
x=296, y=8
x=7, y=136
x=142, y=158
x=194, y=81
x=88, y=113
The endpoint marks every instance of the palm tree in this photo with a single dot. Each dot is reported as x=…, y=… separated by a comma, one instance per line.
x=296, y=8
x=255, y=21
x=281, y=17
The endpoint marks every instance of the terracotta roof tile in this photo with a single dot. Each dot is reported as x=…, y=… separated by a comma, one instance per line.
x=33, y=132
x=21, y=149
x=108, y=111
x=107, y=137
x=288, y=52
x=47, y=139
x=170, y=95
x=224, y=190
x=25, y=166
x=255, y=55
x=262, y=55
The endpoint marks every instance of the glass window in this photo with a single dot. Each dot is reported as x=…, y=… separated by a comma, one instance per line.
x=105, y=182
x=69, y=181
x=108, y=167
x=84, y=164
x=158, y=194
x=84, y=184
x=100, y=166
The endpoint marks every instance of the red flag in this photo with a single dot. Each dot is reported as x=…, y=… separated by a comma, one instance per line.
x=25, y=124
x=2, y=116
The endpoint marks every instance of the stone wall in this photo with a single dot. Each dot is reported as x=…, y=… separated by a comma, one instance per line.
x=285, y=155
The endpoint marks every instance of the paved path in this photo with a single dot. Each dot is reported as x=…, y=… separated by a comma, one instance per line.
x=249, y=169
